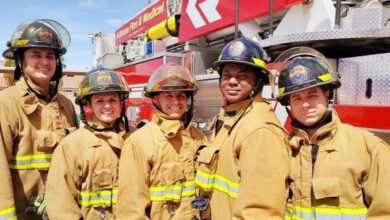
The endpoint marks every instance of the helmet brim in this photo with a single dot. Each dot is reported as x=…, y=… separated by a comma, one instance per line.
x=264, y=72
x=8, y=54
x=283, y=99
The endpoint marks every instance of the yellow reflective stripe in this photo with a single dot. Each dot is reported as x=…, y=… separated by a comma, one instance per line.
x=172, y=192
x=313, y=213
x=32, y=161
x=101, y=197
x=8, y=214
x=188, y=189
x=259, y=62
x=216, y=181
x=114, y=198
x=281, y=90
x=325, y=77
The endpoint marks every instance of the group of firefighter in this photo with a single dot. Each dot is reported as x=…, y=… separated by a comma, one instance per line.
x=250, y=167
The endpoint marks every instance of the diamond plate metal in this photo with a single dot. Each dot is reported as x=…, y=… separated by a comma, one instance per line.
x=354, y=74
x=366, y=23
x=327, y=35
x=368, y=17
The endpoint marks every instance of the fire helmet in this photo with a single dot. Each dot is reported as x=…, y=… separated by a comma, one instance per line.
x=301, y=68
x=43, y=33
x=101, y=81
x=170, y=77
x=244, y=51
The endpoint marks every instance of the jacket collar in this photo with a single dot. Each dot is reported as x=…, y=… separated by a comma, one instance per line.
x=235, y=108
x=27, y=99
x=322, y=136
x=113, y=138
x=230, y=113
x=167, y=125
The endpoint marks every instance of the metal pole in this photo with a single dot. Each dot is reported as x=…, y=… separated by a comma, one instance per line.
x=236, y=18
x=271, y=17
x=338, y=14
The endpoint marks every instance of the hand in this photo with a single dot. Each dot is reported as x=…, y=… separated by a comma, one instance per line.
x=37, y=206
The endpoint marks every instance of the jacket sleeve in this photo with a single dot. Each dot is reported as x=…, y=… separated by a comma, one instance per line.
x=133, y=193
x=264, y=167
x=61, y=190
x=7, y=202
x=376, y=187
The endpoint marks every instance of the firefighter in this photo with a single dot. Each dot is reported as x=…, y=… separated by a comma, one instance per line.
x=34, y=116
x=82, y=181
x=156, y=171
x=245, y=167
x=338, y=171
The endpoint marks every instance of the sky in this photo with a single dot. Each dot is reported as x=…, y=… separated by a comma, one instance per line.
x=80, y=17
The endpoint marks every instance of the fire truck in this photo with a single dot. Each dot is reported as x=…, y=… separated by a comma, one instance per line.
x=353, y=34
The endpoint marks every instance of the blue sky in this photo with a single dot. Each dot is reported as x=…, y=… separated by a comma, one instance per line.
x=80, y=17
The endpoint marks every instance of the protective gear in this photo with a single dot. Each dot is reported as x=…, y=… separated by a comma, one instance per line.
x=30, y=129
x=41, y=33
x=346, y=178
x=102, y=81
x=82, y=182
x=238, y=168
x=37, y=206
x=302, y=68
x=171, y=77
x=244, y=51
x=158, y=171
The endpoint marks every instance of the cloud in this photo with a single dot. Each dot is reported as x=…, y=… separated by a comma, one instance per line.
x=93, y=4
x=115, y=22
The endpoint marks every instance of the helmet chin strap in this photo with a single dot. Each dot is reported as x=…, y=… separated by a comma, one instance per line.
x=53, y=85
x=190, y=112
x=324, y=120
x=187, y=118
x=257, y=88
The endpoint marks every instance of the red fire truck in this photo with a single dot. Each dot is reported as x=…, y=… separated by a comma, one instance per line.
x=353, y=34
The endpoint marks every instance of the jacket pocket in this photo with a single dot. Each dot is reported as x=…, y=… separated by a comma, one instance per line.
x=172, y=173
x=326, y=187
x=206, y=166
x=45, y=140
x=101, y=193
x=102, y=179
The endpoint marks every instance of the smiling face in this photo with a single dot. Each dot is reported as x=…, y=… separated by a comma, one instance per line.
x=237, y=82
x=39, y=66
x=309, y=106
x=173, y=104
x=106, y=107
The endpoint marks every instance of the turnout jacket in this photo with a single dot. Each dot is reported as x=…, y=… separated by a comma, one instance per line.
x=156, y=171
x=246, y=165
x=82, y=181
x=30, y=129
x=341, y=172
